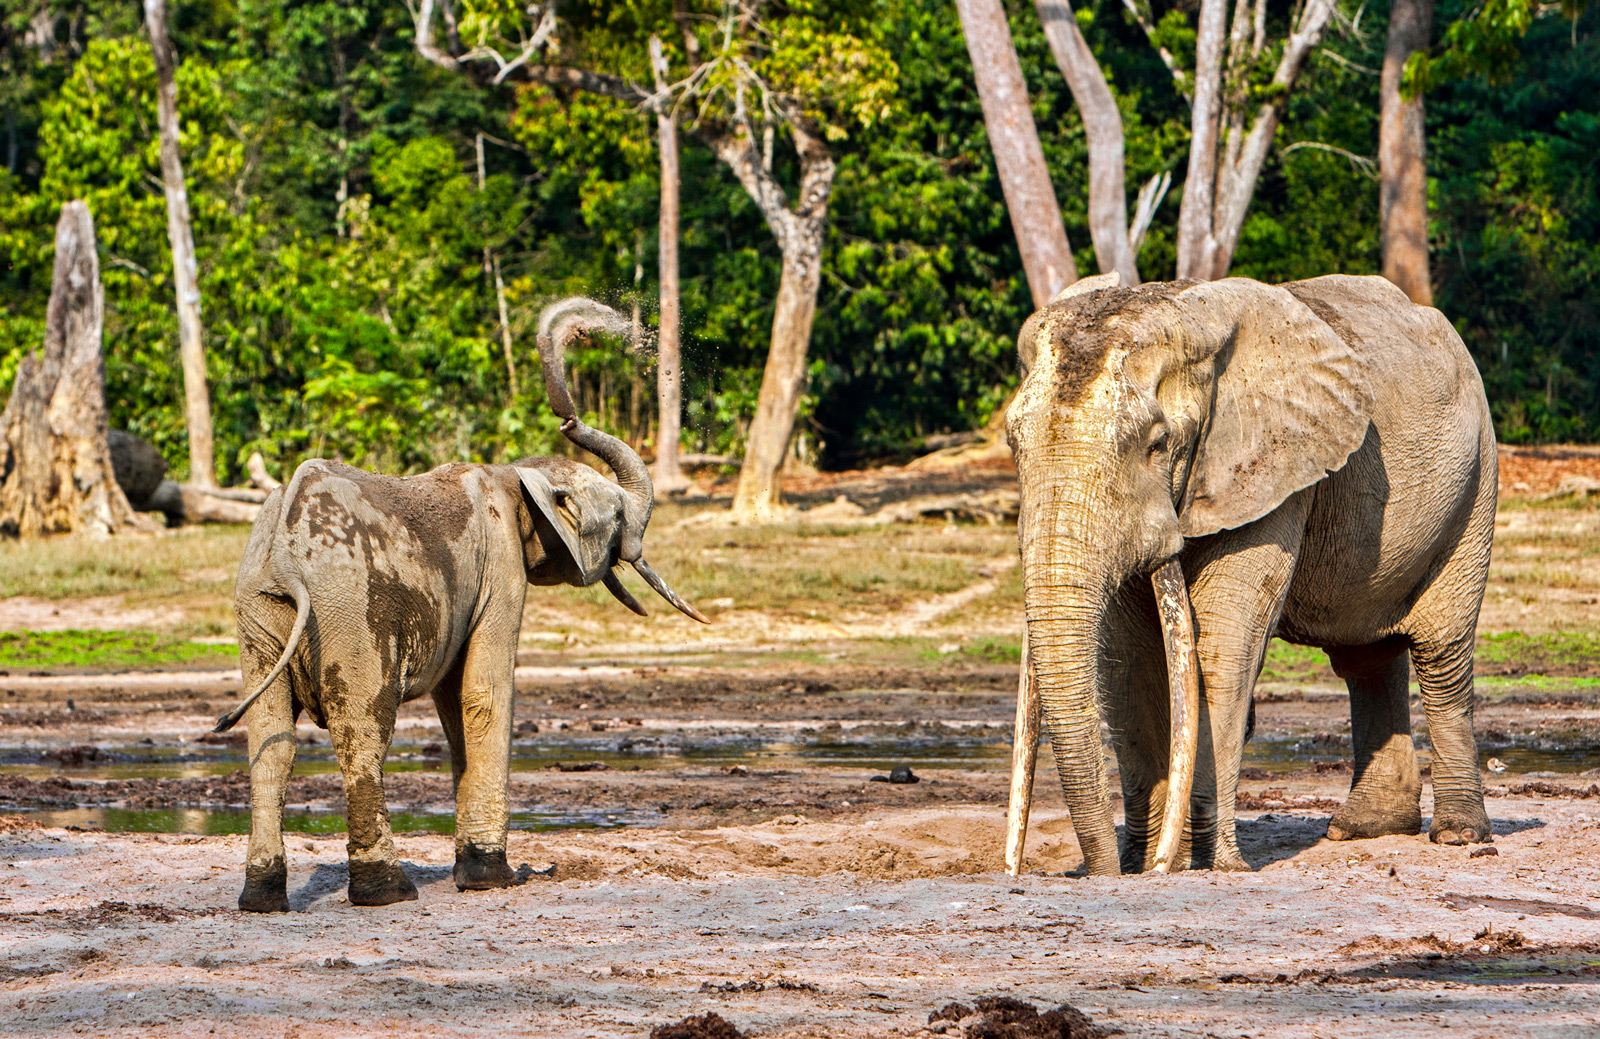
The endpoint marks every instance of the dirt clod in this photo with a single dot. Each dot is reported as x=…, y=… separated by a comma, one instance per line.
x=69, y=757
x=701, y=1026
x=1483, y=852
x=1003, y=1017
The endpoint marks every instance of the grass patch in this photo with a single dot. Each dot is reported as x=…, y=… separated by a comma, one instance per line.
x=106, y=650
x=1287, y=662
x=1563, y=652
x=175, y=564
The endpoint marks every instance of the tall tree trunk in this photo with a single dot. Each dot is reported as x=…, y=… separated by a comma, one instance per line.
x=668, y=475
x=801, y=233
x=491, y=270
x=1102, y=124
x=56, y=472
x=1196, y=245
x=1018, y=156
x=1402, y=170
x=1218, y=191
x=185, y=275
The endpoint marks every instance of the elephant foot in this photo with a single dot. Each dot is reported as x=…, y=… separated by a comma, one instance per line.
x=480, y=868
x=266, y=888
x=1460, y=826
x=380, y=884
x=1230, y=861
x=1357, y=822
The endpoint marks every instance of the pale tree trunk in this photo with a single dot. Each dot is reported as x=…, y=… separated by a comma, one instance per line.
x=491, y=270
x=1218, y=189
x=1018, y=156
x=1403, y=175
x=56, y=473
x=1196, y=245
x=185, y=274
x=801, y=233
x=668, y=475
x=1102, y=125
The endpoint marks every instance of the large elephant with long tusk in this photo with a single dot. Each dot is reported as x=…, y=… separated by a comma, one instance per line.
x=1204, y=466
x=359, y=592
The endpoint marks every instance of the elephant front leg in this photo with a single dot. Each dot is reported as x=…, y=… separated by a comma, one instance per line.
x=376, y=876
x=1386, y=791
x=271, y=747
x=481, y=743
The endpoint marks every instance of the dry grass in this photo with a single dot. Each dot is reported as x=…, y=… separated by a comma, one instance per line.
x=789, y=584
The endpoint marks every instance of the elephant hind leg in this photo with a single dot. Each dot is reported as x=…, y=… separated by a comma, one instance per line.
x=1386, y=791
x=1444, y=674
x=376, y=876
x=270, y=725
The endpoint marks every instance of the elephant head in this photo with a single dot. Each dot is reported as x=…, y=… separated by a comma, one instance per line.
x=1148, y=416
x=585, y=523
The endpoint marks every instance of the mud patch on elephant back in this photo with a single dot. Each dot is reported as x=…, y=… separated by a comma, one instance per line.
x=1084, y=328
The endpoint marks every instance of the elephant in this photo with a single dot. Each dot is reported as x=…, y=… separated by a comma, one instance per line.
x=1204, y=466
x=359, y=592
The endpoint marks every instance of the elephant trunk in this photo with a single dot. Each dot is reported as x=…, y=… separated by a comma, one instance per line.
x=559, y=324
x=1067, y=591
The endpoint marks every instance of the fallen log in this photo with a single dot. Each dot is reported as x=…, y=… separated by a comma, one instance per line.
x=187, y=503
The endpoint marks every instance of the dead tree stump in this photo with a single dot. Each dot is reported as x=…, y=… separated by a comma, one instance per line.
x=56, y=475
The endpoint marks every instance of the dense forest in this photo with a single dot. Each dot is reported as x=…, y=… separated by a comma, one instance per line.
x=348, y=198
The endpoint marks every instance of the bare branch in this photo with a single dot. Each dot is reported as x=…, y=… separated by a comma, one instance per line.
x=1360, y=162
x=1150, y=196
x=1180, y=79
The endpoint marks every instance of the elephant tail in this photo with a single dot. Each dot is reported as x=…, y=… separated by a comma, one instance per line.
x=302, y=612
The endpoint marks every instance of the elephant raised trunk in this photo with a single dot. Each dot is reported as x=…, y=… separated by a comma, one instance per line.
x=559, y=324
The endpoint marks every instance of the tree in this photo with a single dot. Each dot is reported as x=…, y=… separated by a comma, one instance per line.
x=1030, y=197
x=56, y=475
x=668, y=476
x=763, y=72
x=1403, y=205
x=1239, y=116
x=186, y=278
x=1116, y=244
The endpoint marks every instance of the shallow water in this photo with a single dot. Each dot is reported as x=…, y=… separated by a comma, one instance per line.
x=237, y=820
x=982, y=751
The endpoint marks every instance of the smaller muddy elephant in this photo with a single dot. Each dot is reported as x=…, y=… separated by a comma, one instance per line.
x=359, y=592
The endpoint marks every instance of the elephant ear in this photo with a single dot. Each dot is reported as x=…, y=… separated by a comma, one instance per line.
x=557, y=531
x=1291, y=404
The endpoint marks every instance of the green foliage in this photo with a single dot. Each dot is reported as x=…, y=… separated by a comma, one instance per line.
x=105, y=650
x=341, y=228
x=1484, y=42
x=1515, y=199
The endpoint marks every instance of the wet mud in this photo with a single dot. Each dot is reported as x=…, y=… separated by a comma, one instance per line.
x=699, y=843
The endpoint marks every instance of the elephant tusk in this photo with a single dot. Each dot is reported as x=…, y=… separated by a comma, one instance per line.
x=1183, y=680
x=615, y=586
x=1024, y=758
x=654, y=580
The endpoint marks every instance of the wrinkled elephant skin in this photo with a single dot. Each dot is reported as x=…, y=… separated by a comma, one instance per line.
x=1319, y=459
x=360, y=592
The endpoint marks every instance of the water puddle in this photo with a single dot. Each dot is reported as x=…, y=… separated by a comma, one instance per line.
x=211, y=821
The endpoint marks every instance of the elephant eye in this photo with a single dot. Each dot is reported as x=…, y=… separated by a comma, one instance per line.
x=1159, y=444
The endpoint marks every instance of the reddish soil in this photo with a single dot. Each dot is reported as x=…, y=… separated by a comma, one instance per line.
x=1532, y=471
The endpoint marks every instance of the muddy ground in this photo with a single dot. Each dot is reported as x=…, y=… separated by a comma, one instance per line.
x=702, y=827
x=795, y=899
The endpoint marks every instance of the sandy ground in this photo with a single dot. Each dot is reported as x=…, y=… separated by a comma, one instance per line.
x=804, y=899
x=801, y=927
x=798, y=902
